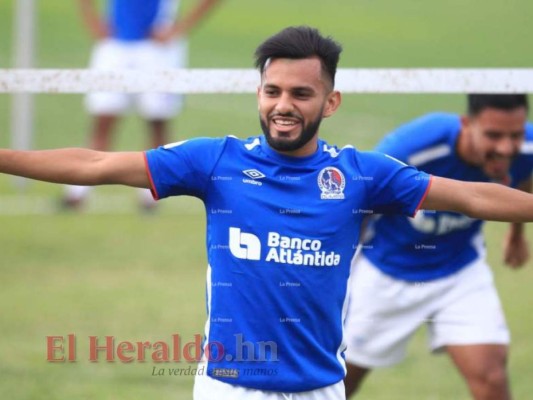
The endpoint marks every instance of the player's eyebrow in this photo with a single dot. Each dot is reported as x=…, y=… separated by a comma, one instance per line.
x=303, y=89
x=296, y=89
x=270, y=86
x=493, y=132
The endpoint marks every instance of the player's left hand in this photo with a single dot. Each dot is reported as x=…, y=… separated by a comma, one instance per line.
x=515, y=250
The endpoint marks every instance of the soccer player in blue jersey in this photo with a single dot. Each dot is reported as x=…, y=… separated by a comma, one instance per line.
x=431, y=269
x=142, y=35
x=282, y=222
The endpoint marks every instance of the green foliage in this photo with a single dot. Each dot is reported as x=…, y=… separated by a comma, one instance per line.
x=140, y=277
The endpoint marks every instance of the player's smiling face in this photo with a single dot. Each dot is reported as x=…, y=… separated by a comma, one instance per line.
x=293, y=98
x=496, y=136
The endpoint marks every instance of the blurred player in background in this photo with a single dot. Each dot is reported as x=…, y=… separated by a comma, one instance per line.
x=432, y=269
x=142, y=35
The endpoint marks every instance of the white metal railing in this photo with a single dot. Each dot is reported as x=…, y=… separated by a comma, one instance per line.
x=349, y=80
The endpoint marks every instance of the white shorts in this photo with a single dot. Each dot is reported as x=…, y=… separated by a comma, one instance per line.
x=207, y=388
x=143, y=55
x=384, y=312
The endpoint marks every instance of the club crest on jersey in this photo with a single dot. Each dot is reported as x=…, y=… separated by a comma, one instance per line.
x=331, y=182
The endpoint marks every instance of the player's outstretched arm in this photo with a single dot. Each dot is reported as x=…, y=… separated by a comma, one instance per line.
x=515, y=245
x=488, y=201
x=77, y=166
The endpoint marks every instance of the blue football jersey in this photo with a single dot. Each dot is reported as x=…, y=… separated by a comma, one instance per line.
x=133, y=20
x=433, y=244
x=281, y=232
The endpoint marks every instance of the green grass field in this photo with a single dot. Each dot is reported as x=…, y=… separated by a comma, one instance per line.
x=112, y=271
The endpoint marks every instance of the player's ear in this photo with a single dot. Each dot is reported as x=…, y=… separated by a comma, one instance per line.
x=258, y=96
x=333, y=102
x=466, y=120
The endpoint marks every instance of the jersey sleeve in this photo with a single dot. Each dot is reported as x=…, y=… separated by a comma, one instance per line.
x=417, y=135
x=522, y=167
x=393, y=146
x=183, y=168
x=392, y=186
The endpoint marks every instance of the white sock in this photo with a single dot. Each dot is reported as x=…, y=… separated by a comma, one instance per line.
x=74, y=192
x=146, y=198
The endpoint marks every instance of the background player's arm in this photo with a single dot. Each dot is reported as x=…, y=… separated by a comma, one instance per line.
x=488, y=201
x=516, y=246
x=77, y=166
x=93, y=20
x=184, y=25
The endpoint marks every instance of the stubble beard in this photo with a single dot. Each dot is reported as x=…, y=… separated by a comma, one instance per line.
x=279, y=144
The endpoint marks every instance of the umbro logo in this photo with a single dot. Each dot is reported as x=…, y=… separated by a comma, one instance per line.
x=255, y=175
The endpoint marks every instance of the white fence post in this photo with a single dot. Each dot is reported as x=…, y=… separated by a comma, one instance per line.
x=22, y=103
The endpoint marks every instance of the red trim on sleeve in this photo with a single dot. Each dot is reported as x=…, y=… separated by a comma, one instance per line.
x=424, y=196
x=152, y=186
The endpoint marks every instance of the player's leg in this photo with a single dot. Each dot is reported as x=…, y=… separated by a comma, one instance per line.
x=383, y=314
x=484, y=367
x=158, y=109
x=102, y=131
x=471, y=327
x=354, y=378
x=159, y=134
x=104, y=108
x=100, y=139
